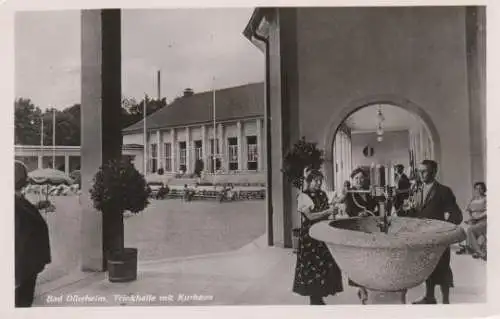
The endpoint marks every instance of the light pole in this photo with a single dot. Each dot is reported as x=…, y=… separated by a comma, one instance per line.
x=54, y=139
x=32, y=122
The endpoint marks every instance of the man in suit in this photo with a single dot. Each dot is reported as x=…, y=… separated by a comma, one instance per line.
x=32, y=248
x=402, y=188
x=436, y=201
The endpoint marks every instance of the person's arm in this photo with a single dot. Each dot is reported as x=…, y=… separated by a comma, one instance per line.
x=453, y=213
x=305, y=206
x=342, y=196
x=317, y=215
x=481, y=214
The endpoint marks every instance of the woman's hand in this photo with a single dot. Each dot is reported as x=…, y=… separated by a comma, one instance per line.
x=363, y=214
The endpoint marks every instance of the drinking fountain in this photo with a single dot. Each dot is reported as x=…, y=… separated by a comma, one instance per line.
x=386, y=254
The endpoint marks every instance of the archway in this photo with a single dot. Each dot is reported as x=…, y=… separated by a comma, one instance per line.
x=422, y=136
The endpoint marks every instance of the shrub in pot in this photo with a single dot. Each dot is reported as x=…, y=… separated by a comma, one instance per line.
x=119, y=187
x=301, y=156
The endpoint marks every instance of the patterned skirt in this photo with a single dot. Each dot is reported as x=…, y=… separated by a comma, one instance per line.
x=316, y=272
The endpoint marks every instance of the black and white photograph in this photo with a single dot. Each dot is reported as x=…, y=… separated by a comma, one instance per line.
x=250, y=156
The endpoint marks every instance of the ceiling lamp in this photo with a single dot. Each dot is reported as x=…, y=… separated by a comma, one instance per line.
x=380, y=126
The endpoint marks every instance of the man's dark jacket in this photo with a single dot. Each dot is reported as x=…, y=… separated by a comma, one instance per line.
x=439, y=200
x=32, y=247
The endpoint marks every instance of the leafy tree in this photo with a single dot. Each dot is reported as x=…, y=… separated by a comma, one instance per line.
x=26, y=122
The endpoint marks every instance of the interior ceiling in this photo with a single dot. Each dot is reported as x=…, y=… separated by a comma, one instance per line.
x=395, y=119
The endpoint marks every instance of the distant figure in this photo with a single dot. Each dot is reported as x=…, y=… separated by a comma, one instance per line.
x=32, y=247
x=188, y=193
x=476, y=224
x=436, y=201
x=402, y=187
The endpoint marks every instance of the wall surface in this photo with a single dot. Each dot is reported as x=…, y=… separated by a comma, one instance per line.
x=133, y=139
x=392, y=150
x=363, y=57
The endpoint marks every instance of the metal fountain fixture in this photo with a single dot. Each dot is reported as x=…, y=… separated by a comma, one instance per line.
x=382, y=192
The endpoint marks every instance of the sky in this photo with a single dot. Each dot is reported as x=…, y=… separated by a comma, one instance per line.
x=189, y=46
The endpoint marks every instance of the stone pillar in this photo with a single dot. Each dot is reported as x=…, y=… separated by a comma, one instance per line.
x=476, y=67
x=101, y=132
x=422, y=137
x=173, y=137
x=386, y=297
x=285, y=128
x=189, y=150
x=241, y=148
x=159, y=156
x=222, y=148
x=40, y=161
x=259, y=145
x=66, y=164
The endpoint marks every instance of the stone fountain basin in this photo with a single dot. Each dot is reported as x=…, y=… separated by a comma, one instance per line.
x=401, y=259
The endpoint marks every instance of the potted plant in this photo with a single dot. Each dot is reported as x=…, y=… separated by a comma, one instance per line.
x=301, y=156
x=119, y=187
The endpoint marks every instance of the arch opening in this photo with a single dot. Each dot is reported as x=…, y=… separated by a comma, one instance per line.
x=379, y=132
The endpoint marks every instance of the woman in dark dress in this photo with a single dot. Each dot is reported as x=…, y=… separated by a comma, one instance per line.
x=358, y=205
x=316, y=273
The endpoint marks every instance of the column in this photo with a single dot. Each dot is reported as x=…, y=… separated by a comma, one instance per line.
x=66, y=164
x=259, y=145
x=423, y=147
x=241, y=148
x=101, y=132
x=188, y=151
x=159, y=156
x=222, y=148
x=285, y=128
x=40, y=161
x=204, y=148
x=173, y=140
x=476, y=73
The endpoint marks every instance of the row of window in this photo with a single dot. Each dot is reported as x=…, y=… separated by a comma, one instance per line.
x=214, y=162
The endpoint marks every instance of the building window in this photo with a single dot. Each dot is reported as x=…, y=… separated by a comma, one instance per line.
x=252, y=153
x=198, y=153
x=214, y=156
x=182, y=156
x=167, y=149
x=233, y=153
x=153, y=161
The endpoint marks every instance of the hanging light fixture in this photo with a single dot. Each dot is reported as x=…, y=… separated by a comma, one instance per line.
x=380, y=126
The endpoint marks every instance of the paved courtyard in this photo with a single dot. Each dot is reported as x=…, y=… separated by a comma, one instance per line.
x=166, y=229
x=252, y=275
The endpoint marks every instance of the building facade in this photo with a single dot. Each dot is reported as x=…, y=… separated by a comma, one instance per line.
x=323, y=64
x=183, y=133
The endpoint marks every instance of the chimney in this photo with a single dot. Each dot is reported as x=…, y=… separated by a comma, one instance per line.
x=188, y=92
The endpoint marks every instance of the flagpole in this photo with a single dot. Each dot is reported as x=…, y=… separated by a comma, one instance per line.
x=216, y=144
x=145, y=136
x=54, y=138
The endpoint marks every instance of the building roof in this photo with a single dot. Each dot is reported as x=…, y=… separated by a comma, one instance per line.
x=231, y=104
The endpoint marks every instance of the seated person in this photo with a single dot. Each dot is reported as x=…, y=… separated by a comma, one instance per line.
x=476, y=224
x=188, y=193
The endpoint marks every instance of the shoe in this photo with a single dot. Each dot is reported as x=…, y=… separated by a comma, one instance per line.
x=425, y=301
x=363, y=296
